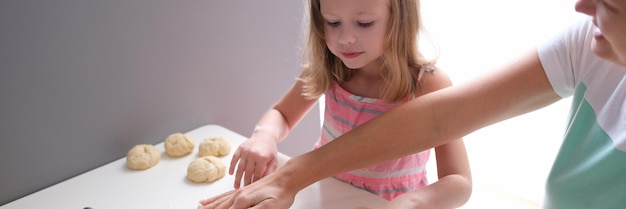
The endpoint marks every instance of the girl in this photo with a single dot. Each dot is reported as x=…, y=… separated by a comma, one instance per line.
x=587, y=61
x=363, y=57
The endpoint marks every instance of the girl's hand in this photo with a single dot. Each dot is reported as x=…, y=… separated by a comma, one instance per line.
x=254, y=159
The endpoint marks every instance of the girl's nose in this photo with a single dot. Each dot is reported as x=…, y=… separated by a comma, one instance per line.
x=587, y=7
x=346, y=37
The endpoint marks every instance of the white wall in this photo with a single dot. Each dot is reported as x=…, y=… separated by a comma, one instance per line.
x=511, y=158
x=81, y=82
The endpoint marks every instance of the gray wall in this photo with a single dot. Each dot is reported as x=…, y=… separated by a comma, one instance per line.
x=81, y=82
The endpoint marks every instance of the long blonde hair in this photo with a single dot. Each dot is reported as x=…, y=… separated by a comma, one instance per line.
x=401, y=59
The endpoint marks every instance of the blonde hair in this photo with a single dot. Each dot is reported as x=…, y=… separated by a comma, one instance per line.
x=401, y=59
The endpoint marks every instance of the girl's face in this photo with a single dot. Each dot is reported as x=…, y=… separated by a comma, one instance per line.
x=609, y=16
x=355, y=30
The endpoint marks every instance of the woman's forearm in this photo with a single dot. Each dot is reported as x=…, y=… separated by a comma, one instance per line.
x=431, y=120
x=451, y=191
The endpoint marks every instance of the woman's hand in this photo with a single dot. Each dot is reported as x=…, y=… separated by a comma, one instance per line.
x=260, y=195
x=403, y=201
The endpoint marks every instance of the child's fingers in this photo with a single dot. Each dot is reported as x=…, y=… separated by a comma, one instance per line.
x=250, y=167
x=233, y=162
x=258, y=173
x=239, y=173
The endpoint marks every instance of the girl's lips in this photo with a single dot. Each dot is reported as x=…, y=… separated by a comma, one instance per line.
x=597, y=33
x=351, y=54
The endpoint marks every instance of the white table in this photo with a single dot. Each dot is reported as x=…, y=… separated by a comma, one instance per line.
x=165, y=186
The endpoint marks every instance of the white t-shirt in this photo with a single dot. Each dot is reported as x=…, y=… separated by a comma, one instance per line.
x=590, y=169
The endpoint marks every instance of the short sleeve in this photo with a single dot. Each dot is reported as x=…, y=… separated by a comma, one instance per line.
x=563, y=57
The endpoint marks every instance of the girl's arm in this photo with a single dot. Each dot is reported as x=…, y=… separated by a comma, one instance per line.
x=257, y=156
x=286, y=113
x=452, y=190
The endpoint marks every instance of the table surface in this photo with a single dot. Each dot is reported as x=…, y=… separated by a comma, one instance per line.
x=165, y=185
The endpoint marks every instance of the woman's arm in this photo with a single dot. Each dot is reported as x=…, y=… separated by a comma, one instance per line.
x=454, y=185
x=428, y=121
x=434, y=119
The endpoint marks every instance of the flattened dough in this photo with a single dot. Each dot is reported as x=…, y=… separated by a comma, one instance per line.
x=206, y=169
x=142, y=156
x=214, y=146
x=178, y=144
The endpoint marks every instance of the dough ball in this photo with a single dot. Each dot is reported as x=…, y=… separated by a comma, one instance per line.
x=206, y=169
x=178, y=144
x=214, y=146
x=142, y=157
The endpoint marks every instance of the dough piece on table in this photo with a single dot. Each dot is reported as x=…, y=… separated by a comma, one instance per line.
x=142, y=156
x=214, y=146
x=178, y=144
x=206, y=169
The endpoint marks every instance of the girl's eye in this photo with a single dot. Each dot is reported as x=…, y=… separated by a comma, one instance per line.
x=333, y=24
x=366, y=24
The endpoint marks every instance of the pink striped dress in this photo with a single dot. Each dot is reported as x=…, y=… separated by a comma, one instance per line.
x=345, y=111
